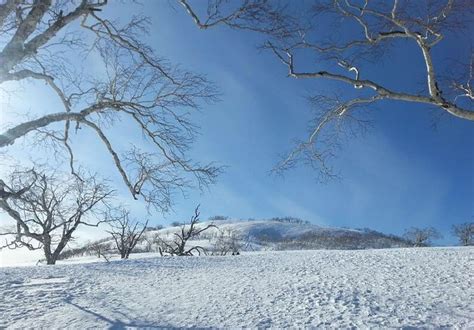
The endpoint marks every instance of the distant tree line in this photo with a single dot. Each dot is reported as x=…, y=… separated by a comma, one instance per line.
x=154, y=228
x=344, y=240
x=218, y=218
x=287, y=219
x=294, y=220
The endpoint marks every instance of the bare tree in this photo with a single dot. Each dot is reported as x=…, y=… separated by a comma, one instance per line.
x=125, y=232
x=228, y=241
x=421, y=236
x=177, y=246
x=346, y=40
x=48, y=213
x=465, y=233
x=38, y=40
x=100, y=248
x=148, y=242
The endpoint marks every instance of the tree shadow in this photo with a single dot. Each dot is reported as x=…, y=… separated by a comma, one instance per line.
x=118, y=324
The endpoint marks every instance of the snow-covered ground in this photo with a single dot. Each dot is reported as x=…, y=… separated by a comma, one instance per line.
x=429, y=287
x=252, y=235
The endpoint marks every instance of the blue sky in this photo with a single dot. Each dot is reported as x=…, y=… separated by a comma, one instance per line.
x=402, y=173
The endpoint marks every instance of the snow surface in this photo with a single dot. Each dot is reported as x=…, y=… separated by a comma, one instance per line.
x=417, y=287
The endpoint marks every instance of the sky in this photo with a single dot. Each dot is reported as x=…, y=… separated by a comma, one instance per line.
x=403, y=173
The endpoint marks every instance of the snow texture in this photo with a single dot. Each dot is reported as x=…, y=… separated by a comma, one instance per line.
x=417, y=287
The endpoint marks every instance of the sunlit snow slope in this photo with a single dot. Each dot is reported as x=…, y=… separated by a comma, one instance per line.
x=416, y=287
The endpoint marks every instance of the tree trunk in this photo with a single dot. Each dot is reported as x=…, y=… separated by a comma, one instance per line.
x=124, y=254
x=50, y=257
x=50, y=261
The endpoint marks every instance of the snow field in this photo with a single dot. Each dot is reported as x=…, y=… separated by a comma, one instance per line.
x=423, y=287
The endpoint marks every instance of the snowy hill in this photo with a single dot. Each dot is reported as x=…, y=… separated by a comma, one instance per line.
x=257, y=235
x=291, y=236
x=388, y=288
x=277, y=235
